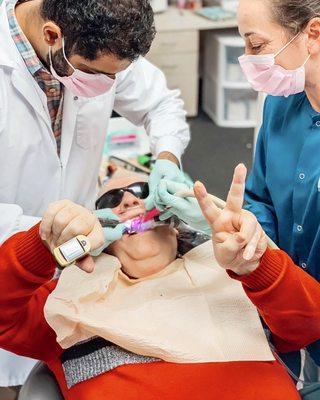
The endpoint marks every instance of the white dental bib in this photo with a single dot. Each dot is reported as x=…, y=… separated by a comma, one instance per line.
x=191, y=312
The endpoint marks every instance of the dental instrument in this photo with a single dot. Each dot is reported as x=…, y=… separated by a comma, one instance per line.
x=141, y=224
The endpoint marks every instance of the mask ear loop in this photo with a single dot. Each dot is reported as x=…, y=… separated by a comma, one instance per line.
x=308, y=58
x=287, y=45
x=50, y=56
x=64, y=54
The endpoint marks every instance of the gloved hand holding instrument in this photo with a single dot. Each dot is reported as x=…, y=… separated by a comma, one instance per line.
x=178, y=199
x=163, y=170
x=111, y=233
x=62, y=224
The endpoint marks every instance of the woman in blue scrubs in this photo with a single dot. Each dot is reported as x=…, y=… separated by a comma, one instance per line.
x=283, y=59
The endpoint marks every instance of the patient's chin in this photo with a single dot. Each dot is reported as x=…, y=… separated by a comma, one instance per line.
x=146, y=253
x=144, y=268
x=150, y=243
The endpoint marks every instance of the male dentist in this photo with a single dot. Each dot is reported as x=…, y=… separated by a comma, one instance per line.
x=64, y=66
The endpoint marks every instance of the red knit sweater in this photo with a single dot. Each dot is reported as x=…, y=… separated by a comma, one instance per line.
x=286, y=297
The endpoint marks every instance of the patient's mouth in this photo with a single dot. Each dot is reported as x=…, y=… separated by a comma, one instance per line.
x=137, y=234
x=131, y=213
x=142, y=224
x=148, y=222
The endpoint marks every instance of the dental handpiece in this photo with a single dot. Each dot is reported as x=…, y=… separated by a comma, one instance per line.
x=144, y=223
x=138, y=227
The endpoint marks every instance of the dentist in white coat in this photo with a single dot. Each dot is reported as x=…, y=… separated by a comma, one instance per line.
x=64, y=66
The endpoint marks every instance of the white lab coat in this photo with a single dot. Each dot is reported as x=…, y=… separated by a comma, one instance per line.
x=31, y=173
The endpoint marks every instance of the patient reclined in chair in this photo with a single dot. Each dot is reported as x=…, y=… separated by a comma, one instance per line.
x=151, y=322
x=146, y=299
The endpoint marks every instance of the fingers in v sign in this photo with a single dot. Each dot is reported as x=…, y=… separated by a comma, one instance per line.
x=238, y=239
x=235, y=197
x=210, y=211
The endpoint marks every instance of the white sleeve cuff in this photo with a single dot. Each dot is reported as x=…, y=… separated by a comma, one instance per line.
x=171, y=144
x=26, y=222
x=13, y=221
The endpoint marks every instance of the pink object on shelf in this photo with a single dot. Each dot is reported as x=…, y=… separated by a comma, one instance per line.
x=121, y=139
x=181, y=3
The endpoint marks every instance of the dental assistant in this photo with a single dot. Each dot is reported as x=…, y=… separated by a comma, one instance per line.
x=283, y=60
x=64, y=66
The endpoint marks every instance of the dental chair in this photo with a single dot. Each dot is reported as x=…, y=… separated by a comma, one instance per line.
x=40, y=385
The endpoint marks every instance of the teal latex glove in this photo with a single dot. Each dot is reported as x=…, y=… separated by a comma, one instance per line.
x=186, y=209
x=110, y=234
x=163, y=169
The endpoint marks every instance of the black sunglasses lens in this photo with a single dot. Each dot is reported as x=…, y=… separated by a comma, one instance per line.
x=114, y=197
x=110, y=199
x=145, y=190
x=139, y=189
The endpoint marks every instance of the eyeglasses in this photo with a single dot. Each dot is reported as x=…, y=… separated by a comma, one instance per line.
x=114, y=197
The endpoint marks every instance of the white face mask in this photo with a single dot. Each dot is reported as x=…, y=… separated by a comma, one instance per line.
x=264, y=75
x=81, y=83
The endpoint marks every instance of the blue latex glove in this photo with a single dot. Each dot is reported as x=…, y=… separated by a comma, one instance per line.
x=163, y=169
x=110, y=234
x=186, y=209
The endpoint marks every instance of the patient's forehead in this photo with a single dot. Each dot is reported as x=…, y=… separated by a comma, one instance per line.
x=116, y=183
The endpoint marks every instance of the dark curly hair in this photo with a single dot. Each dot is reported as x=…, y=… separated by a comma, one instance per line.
x=123, y=28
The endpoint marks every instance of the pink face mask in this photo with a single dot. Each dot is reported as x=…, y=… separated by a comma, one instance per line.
x=81, y=83
x=264, y=75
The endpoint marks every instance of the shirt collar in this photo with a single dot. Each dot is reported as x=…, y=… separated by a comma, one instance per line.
x=23, y=45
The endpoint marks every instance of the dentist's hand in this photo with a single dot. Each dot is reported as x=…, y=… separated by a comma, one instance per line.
x=162, y=170
x=239, y=242
x=65, y=220
x=186, y=209
x=110, y=234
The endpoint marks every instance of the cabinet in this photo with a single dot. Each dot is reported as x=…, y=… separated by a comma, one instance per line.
x=176, y=50
x=177, y=55
x=227, y=97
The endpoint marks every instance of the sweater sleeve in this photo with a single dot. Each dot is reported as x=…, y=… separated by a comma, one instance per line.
x=26, y=270
x=287, y=298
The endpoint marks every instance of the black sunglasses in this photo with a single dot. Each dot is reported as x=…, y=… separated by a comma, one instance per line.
x=114, y=197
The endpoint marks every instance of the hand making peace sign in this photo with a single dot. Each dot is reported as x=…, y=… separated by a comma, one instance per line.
x=239, y=242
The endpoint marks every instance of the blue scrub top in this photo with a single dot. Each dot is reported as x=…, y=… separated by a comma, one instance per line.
x=283, y=190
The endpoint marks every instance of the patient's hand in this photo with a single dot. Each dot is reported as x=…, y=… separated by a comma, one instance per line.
x=238, y=239
x=65, y=220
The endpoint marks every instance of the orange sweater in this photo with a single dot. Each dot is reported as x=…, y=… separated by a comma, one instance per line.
x=287, y=298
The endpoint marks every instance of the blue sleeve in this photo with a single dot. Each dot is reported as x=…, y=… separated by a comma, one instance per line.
x=257, y=196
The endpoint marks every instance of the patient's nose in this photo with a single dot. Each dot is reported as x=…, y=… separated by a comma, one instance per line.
x=129, y=201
